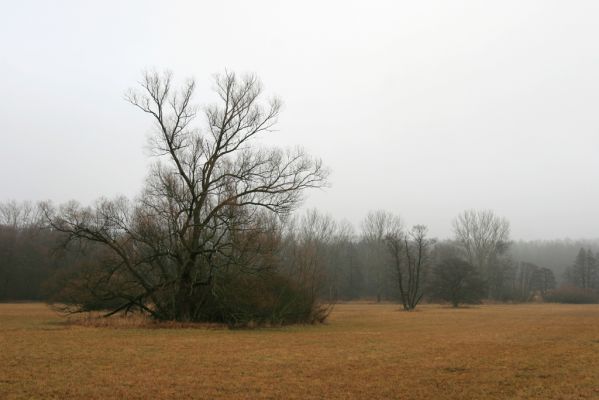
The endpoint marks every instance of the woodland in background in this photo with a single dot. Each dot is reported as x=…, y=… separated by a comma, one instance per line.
x=343, y=263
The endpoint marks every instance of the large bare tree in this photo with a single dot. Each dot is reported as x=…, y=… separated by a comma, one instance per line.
x=207, y=201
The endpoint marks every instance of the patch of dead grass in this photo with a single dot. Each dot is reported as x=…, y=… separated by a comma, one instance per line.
x=130, y=321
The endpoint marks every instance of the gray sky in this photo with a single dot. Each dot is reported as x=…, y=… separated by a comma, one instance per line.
x=423, y=108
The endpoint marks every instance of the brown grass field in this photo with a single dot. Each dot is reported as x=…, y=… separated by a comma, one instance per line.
x=365, y=351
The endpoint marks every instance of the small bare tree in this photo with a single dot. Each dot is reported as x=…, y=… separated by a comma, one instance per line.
x=411, y=256
x=375, y=228
x=341, y=263
x=205, y=197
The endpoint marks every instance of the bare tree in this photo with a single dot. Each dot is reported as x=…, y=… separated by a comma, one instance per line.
x=375, y=228
x=484, y=238
x=411, y=254
x=342, y=266
x=205, y=197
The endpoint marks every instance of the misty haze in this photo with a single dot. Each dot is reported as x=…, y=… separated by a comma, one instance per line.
x=342, y=200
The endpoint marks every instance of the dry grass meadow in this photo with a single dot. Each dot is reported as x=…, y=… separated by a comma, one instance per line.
x=365, y=351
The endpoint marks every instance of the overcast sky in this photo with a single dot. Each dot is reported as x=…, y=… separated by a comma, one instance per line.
x=423, y=108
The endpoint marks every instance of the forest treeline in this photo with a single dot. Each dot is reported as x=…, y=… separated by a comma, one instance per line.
x=345, y=262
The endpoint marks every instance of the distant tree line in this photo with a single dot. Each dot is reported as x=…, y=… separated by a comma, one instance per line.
x=581, y=280
x=384, y=261
x=30, y=257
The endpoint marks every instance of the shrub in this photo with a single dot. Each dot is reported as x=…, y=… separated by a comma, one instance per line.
x=242, y=300
x=456, y=281
x=572, y=295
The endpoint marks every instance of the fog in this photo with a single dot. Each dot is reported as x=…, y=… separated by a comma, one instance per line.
x=421, y=108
